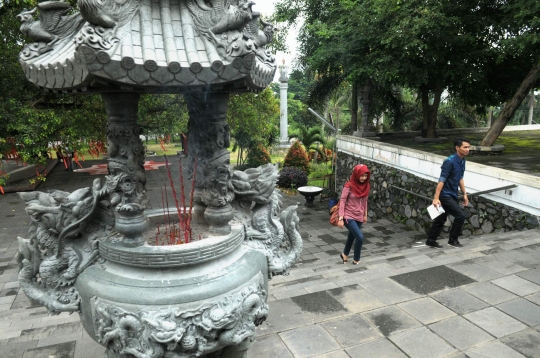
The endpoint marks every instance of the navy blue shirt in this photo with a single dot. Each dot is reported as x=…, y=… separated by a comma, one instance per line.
x=452, y=171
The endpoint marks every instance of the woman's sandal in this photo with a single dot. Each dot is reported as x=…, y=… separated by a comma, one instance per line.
x=356, y=262
x=344, y=260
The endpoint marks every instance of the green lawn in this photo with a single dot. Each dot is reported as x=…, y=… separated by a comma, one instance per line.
x=317, y=170
x=519, y=146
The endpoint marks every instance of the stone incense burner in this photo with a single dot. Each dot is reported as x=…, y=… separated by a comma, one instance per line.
x=86, y=251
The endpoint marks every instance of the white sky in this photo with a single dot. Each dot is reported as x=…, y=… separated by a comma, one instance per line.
x=266, y=8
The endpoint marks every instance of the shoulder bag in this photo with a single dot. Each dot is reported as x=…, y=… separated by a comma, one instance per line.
x=334, y=212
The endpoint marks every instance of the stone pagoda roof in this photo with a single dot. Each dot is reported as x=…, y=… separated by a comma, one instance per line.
x=147, y=45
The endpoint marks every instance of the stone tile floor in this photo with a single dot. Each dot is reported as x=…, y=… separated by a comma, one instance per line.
x=403, y=300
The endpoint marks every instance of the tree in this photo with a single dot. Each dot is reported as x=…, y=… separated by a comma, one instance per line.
x=344, y=95
x=299, y=84
x=426, y=46
x=253, y=118
x=163, y=114
x=511, y=106
x=257, y=156
x=30, y=119
x=310, y=138
x=522, y=34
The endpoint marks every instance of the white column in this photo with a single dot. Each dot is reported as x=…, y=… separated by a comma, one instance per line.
x=531, y=106
x=283, y=121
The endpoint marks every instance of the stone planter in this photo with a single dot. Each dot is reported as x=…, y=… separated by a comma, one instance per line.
x=186, y=300
x=496, y=149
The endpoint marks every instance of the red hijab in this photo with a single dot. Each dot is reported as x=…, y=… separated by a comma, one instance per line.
x=359, y=189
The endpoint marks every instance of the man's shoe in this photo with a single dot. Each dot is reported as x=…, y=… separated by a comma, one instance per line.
x=454, y=243
x=433, y=244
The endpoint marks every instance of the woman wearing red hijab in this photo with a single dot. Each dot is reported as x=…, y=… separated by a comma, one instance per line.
x=353, y=210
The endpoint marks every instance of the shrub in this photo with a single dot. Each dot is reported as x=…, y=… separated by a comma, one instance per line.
x=291, y=177
x=257, y=156
x=297, y=157
x=319, y=170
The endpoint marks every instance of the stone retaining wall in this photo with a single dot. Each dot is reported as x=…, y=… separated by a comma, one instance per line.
x=483, y=215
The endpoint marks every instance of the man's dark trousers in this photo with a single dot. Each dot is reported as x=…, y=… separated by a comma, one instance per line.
x=451, y=207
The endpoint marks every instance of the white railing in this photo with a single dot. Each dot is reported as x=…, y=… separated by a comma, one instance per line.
x=478, y=177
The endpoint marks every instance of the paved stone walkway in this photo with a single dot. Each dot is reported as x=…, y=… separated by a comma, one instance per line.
x=403, y=300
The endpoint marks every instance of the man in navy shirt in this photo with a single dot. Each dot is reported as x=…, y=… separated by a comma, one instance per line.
x=446, y=195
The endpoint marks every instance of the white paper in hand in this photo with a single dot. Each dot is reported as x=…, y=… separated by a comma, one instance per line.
x=434, y=212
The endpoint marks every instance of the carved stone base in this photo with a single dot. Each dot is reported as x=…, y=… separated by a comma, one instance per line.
x=236, y=351
x=363, y=134
x=284, y=144
x=175, y=301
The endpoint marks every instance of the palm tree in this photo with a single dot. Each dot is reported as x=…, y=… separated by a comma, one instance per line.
x=310, y=138
x=338, y=98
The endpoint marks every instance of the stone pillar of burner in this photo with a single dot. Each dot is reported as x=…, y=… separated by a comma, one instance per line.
x=126, y=181
x=193, y=170
x=208, y=140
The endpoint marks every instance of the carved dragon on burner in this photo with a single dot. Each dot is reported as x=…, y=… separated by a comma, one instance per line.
x=62, y=243
x=269, y=230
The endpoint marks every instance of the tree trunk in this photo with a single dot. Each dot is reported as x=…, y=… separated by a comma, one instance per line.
x=510, y=108
x=327, y=113
x=354, y=107
x=429, y=111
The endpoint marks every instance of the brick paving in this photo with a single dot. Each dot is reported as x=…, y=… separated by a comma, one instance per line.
x=403, y=300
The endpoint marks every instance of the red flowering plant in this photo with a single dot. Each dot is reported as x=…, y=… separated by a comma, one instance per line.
x=297, y=157
x=95, y=148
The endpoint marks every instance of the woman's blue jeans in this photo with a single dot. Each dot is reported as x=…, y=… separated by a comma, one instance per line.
x=356, y=236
